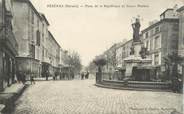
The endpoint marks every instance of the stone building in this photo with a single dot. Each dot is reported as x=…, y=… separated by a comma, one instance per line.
x=122, y=51
x=119, y=56
x=181, y=38
x=44, y=36
x=53, y=53
x=8, y=44
x=110, y=56
x=31, y=33
x=161, y=40
x=62, y=57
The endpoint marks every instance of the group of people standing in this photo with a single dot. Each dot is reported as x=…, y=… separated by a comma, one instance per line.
x=21, y=77
x=64, y=76
x=84, y=75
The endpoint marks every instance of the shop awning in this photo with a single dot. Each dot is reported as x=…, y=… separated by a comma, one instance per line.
x=146, y=67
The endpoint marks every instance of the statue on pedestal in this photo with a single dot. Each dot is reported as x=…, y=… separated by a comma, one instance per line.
x=136, y=29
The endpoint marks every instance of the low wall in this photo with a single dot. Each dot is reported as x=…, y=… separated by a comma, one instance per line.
x=138, y=84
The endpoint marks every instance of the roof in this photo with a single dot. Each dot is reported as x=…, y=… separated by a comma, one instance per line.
x=166, y=11
x=40, y=15
x=31, y=5
x=157, y=23
x=44, y=18
x=128, y=41
x=180, y=9
x=124, y=43
x=54, y=39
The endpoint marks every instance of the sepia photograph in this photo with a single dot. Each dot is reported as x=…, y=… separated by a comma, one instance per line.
x=91, y=56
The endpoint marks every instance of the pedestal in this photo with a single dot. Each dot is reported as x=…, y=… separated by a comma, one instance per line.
x=137, y=48
x=135, y=60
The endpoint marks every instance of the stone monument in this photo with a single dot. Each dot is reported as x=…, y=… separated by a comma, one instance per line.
x=135, y=58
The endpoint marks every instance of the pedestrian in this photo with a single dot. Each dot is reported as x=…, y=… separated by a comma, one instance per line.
x=87, y=75
x=82, y=76
x=23, y=78
x=55, y=76
x=60, y=75
x=47, y=74
x=18, y=75
x=175, y=84
x=32, y=79
x=73, y=75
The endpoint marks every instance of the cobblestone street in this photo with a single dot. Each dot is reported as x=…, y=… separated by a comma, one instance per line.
x=81, y=96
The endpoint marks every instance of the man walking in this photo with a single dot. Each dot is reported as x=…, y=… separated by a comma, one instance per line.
x=87, y=75
x=32, y=79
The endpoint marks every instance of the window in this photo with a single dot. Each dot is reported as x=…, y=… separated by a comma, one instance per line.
x=43, y=32
x=38, y=37
x=32, y=50
x=152, y=31
x=43, y=53
x=32, y=35
x=175, y=27
x=38, y=23
x=146, y=35
x=156, y=59
x=42, y=28
x=157, y=29
x=147, y=44
x=32, y=17
x=151, y=44
x=157, y=42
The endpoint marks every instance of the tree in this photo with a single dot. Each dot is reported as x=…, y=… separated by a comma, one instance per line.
x=91, y=67
x=99, y=62
x=171, y=63
x=73, y=60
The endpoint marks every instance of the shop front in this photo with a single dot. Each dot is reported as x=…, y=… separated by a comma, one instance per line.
x=29, y=66
x=8, y=48
x=45, y=69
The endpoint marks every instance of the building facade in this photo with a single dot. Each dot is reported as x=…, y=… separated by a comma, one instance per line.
x=161, y=40
x=53, y=53
x=110, y=56
x=123, y=51
x=29, y=34
x=181, y=38
x=38, y=50
x=8, y=44
x=119, y=56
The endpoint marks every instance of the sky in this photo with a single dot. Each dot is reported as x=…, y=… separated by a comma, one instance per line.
x=91, y=31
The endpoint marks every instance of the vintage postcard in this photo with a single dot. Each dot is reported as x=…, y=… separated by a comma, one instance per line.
x=91, y=56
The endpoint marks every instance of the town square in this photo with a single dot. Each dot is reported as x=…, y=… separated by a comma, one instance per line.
x=91, y=57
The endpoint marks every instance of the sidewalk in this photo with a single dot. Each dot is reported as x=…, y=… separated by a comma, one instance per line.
x=10, y=95
x=43, y=79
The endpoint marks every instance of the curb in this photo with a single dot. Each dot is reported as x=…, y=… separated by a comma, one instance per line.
x=131, y=89
x=9, y=102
